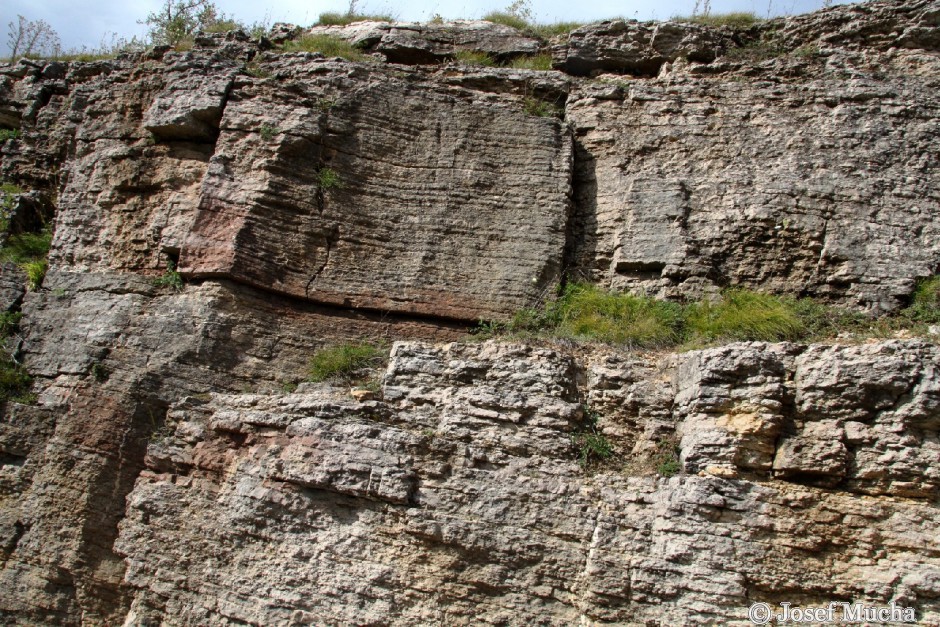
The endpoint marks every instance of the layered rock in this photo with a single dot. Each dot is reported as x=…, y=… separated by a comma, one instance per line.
x=407, y=42
x=163, y=474
x=350, y=185
x=459, y=498
x=819, y=186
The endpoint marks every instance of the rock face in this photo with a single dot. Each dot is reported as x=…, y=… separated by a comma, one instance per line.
x=374, y=191
x=405, y=42
x=170, y=470
x=459, y=498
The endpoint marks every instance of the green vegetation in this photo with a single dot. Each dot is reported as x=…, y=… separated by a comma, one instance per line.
x=593, y=447
x=553, y=30
x=344, y=362
x=925, y=306
x=341, y=19
x=739, y=19
x=585, y=313
x=539, y=108
x=471, y=57
x=15, y=381
x=507, y=18
x=536, y=62
x=268, y=131
x=99, y=372
x=327, y=178
x=666, y=458
x=171, y=278
x=8, y=134
x=222, y=26
x=745, y=315
x=29, y=251
x=327, y=46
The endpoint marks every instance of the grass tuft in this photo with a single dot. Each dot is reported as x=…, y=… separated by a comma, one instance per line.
x=588, y=313
x=342, y=19
x=327, y=178
x=553, y=30
x=326, y=45
x=7, y=134
x=29, y=251
x=344, y=362
x=925, y=306
x=745, y=315
x=739, y=19
x=507, y=19
x=472, y=57
x=536, y=62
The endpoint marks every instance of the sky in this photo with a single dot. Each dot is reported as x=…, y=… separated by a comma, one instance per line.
x=84, y=23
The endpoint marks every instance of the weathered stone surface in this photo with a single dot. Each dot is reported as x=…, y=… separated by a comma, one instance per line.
x=457, y=499
x=414, y=43
x=164, y=475
x=819, y=186
x=447, y=201
x=631, y=47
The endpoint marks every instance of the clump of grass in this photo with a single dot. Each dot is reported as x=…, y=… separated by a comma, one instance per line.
x=327, y=46
x=745, y=315
x=588, y=313
x=539, y=108
x=222, y=26
x=342, y=19
x=472, y=57
x=8, y=134
x=507, y=18
x=35, y=272
x=171, y=278
x=327, y=178
x=344, y=362
x=592, y=448
x=738, y=19
x=925, y=306
x=26, y=247
x=536, y=62
x=29, y=250
x=553, y=30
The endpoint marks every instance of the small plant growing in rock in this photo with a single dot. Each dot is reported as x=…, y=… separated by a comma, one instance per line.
x=170, y=278
x=8, y=134
x=327, y=178
x=593, y=446
x=29, y=250
x=254, y=69
x=474, y=58
x=268, y=131
x=327, y=46
x=99, y=372
x=539, y=108
x=535, y=62
x=666, y=457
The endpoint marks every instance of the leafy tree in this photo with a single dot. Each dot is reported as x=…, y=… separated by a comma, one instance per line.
x=32, y=37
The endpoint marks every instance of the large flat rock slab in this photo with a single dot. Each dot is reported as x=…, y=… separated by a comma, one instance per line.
x=357, y=187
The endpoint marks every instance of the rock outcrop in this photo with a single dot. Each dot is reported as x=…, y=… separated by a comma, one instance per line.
x=223, y=213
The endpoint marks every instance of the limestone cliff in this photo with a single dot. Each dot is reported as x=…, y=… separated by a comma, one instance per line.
x=167, y=471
